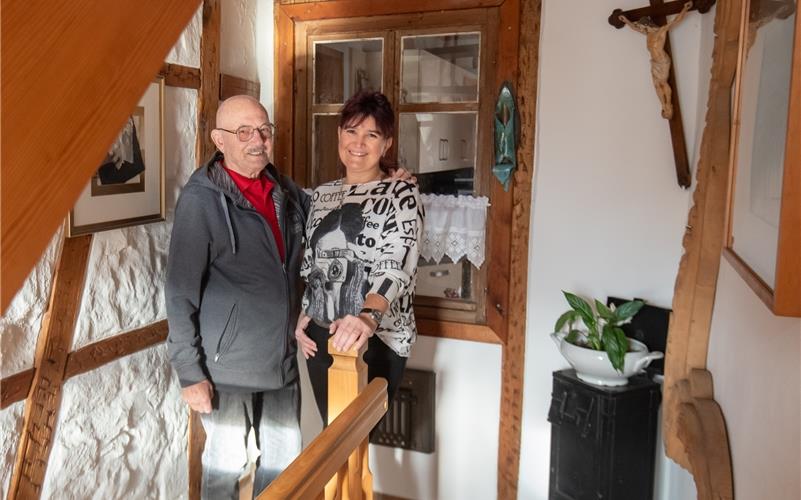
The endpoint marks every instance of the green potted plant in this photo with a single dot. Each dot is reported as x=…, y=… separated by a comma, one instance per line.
x=593, y=342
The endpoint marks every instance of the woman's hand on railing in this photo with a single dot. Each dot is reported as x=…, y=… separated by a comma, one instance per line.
x=307, y=346
x=351, y=332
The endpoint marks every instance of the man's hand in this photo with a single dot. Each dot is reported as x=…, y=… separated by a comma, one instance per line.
x=307, y=346
x=351, y=332
x=198, y=396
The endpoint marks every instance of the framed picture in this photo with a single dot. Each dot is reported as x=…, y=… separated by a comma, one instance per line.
x=764, y=197
x=128, y=186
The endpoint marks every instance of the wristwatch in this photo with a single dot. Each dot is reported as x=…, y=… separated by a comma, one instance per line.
x=374, y=314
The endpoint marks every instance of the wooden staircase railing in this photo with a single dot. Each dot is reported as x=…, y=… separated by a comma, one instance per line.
x=335, y=465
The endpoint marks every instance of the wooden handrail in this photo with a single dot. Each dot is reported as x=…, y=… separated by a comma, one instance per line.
x=308, y=474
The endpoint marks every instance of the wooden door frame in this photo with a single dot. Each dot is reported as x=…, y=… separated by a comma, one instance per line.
x=516, y=62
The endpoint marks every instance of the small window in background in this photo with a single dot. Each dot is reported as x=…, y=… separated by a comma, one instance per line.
x=440, y=68
x=342, y=68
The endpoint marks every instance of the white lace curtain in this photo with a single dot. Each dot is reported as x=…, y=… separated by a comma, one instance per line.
x=454, y=226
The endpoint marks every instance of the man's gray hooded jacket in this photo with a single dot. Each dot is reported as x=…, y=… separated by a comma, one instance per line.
x=232, y=305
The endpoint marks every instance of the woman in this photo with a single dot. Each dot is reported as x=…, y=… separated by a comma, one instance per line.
x=363, y=233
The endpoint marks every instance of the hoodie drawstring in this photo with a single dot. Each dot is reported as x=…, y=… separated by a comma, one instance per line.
x=228, y=222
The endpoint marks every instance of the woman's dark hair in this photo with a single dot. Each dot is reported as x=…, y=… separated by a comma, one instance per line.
x=375, y=104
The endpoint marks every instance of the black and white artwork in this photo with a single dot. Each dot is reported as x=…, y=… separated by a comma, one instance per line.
x=337, y=270
x=122, y=170
x=127, y=187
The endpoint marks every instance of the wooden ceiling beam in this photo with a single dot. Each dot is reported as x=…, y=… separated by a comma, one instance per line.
x=65, y=96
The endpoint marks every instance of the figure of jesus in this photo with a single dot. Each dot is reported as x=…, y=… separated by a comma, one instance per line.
x=655, y=37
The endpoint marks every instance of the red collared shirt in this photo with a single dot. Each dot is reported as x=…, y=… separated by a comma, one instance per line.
x=257, y=192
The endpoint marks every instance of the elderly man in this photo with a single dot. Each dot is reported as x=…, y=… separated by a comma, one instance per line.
x=233, y=300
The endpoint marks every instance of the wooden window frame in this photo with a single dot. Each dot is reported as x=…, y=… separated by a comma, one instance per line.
x=391, y=30
x=483, y=319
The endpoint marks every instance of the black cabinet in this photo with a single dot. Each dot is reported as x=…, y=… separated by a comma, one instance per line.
x=603, y=439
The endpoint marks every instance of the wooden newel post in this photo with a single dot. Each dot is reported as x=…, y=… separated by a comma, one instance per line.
x=347, y=377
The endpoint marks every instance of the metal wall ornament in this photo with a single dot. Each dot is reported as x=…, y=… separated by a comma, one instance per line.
x=507, y=132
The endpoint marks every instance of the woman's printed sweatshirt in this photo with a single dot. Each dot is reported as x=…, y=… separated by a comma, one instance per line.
x=361, y=239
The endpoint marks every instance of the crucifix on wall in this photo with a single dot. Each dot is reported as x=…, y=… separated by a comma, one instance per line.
x=652, y=22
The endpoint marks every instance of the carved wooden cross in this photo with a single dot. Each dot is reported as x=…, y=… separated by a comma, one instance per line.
x=657, y=12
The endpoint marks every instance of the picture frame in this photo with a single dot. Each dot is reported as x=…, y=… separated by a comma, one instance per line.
x=763, y=234
x=128, y=187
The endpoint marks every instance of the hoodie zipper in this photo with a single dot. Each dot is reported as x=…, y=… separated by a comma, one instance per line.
x=286, y=281
x=222, y=335
x=287, y=293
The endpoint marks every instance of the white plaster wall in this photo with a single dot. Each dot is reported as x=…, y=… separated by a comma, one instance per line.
x=121, y=433
x=10, y=427
x=265, y=50
x=20, y=324
x=186, y=50
x=238, y=40
x=755, y=359
x=607, y=214
x=464, y=464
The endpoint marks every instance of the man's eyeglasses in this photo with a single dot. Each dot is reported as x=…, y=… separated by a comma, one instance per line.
x=245, y=132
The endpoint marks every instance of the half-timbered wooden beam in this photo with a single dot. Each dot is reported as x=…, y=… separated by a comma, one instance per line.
x=197, y=440
x=514, y=351
x=233, y=85
x=113, y=348
x=457, y=331
x=177, y=75
x=359, y=8
x=16, y=387
x=208, y=96
x=53, y=346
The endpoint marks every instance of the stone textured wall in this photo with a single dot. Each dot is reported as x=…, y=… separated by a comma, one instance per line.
x=122, y=428
x=121, y=433
x=20, y=325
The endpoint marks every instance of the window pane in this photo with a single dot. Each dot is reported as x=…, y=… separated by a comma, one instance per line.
x=440, y=68
x=325, y=166
x=446, y=280
x=440, y=148
x=343, y=68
